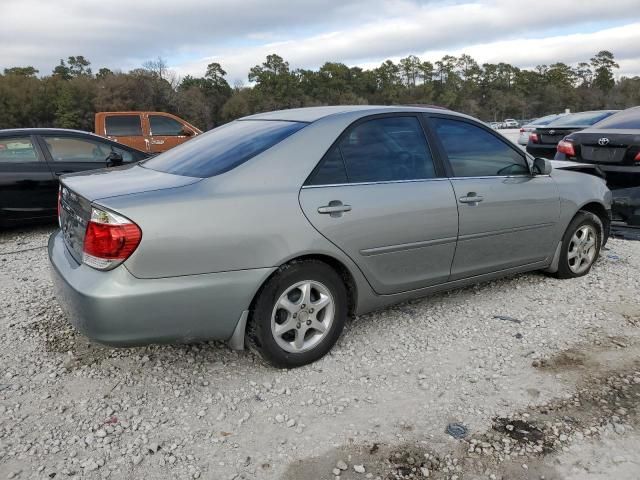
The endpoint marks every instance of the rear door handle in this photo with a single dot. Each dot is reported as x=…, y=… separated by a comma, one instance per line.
x=472, y=198
x=335, y=208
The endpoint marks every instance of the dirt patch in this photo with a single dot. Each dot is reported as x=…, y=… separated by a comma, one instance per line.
x=567, y=359
x=519, y=446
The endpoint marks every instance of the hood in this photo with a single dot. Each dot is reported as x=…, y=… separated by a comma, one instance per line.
x=125, y=180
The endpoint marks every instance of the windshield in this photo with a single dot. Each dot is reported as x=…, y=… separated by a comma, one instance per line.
x=625, y=120
x=581, y=119
x=223, y=148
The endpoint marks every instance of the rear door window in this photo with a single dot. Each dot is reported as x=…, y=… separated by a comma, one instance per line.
x=161, y=125
x=18, y=150
x=378, y=150
x=223, y=148
x=475, y=152
x=123, y=125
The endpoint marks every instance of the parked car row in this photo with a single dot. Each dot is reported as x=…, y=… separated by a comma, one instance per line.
x=543, y=140
x=613, y=144
x=506, y=123
x=530, y=126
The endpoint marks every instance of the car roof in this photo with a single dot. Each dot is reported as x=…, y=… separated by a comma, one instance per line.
x=312, y=114
x=40, y=131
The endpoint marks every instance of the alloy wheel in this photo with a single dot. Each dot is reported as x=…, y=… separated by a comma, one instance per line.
x=582, y=249
x=302, y=316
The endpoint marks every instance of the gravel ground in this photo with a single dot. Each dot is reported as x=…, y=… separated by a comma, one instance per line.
x=548, y=390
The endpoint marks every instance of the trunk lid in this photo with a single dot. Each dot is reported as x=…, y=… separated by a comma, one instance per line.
x=553, y=135
x=607, y=147
x=78, y=191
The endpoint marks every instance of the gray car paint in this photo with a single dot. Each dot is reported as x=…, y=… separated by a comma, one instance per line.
x=251, y=219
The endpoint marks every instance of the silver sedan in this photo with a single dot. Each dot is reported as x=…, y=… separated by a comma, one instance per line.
x=277, y=227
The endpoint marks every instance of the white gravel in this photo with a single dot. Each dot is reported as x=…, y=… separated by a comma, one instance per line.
x=71, y=409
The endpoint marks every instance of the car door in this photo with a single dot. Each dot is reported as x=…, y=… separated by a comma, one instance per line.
x=166, y=132
x=381, y=197
x=507, y=216
x=68, y=153
x=28, y=189
x=128, y=129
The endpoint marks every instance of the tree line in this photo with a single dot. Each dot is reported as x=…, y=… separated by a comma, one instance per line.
x=70, y=95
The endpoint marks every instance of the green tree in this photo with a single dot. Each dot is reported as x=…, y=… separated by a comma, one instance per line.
x=21, y=71
x=603, y=64
x=62, y=71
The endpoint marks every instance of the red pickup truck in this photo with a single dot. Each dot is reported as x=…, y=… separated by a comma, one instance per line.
x=151, y=132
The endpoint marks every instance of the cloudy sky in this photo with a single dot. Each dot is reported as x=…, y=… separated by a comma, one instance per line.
x=189, y=34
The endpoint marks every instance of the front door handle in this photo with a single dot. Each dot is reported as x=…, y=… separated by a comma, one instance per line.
x=335, y=208
x=472, y=199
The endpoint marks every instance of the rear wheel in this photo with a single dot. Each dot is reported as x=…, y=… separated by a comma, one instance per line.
x=299, y=314
x=580, y=245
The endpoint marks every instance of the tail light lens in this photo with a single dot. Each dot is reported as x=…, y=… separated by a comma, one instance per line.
x=637, y=158
x=522, y=130
x=533, y=138
x=566, y=147
x=110, y=239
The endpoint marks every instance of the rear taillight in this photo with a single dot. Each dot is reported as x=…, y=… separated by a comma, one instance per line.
x=566, y=147
x=522, y=130
x=533, y=138
x=637, y=158
x=110, y=239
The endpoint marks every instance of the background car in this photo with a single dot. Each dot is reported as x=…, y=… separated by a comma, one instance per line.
x=150, y=132
x=31, y=160
x=510, y=123
x=544, y=140
x=278, y=226
x=614, y=145
x=530, y=126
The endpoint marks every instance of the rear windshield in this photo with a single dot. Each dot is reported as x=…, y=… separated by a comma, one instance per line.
x=223, y=148
x=544, y=120
x=628, y=119
x=580, y=119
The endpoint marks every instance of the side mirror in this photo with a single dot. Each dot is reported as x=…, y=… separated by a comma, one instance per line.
x=541, y=166
x=114, y=159
x=187, y=132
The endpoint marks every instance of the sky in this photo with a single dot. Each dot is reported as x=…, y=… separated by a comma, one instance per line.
x=238, y=34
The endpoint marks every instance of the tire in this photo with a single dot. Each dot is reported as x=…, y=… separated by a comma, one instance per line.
x=576, y=259
x=291, y=311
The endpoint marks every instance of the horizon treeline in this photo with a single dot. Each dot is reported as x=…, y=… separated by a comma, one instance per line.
x=72, y=93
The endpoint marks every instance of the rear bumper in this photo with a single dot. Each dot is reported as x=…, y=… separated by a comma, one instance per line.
x=626, y=206
x=116, y=308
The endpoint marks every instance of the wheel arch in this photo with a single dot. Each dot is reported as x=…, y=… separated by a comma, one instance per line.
x=599, y=210
x=337, y=265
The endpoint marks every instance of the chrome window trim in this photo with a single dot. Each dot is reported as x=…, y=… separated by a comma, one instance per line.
x=439, y=179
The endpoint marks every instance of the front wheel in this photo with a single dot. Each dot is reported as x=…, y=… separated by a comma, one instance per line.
x=299, y=314
x=581, y=245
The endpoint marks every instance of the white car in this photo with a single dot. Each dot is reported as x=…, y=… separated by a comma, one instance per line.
x=510, y=123
x=525, y=130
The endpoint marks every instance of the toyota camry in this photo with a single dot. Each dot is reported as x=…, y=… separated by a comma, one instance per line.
x=275, y=228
